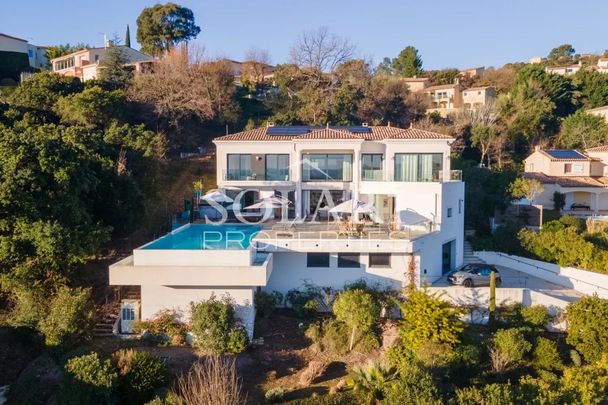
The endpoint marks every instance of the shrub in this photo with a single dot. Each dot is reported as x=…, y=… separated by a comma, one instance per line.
x=508, y=346
x=546, y=356
x=587, y=384
x=213, y=380
x=70, y=317
x=88, y=381
x=304, y=302
x=332, y=336
x=371, y=379
x=587, y=326
x=275, y=394
x=414, y=386
x=428, y=318
x=491, y=394
x=536, y=316
x=237, y=340
x=265, y=303
x=163, y=329
x=358, y=310
x=213, y=321
x=432, y=354
x=140, y=374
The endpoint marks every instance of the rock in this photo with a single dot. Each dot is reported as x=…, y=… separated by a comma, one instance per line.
x=315, y=369
x=340, y=385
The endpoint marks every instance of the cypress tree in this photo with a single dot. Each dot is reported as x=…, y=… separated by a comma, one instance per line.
x=128, y=37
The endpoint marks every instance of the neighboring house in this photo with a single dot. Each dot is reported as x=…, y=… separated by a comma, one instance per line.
x=535, y=60
x=472, y=72
x=444, y=99
x=86, y=63
x=416, y=84
x=602, y=65
x=564, y=70
x=17, y=56
x=255, y=71
x=478, y=97
x=600, y=112
x=581, y=177
x=404, y=175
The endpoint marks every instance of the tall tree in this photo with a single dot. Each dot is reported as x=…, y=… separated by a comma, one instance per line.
x=161, y=27
x=483, y=136
x=128, y=37
x=562, y=54
x=115, y=75
x=56, y=51
x=408, y=63
x=321, y=50
x=583, y=130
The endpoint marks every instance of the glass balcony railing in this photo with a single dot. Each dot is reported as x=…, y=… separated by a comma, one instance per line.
x=241, y=175
x=372, y=175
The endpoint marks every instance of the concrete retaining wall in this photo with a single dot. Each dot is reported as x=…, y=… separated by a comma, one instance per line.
x=583, y=281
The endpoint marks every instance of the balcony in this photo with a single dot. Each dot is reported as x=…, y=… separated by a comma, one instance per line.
x=230, y=175
x=372, y=175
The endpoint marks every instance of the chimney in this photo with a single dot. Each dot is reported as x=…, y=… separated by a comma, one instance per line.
x=536, y=148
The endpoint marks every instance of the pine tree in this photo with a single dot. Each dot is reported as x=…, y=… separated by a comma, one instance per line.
x=128, y=38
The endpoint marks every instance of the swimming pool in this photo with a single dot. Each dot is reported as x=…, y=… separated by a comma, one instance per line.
x=206, y=237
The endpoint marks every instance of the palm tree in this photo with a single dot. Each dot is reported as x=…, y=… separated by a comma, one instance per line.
x=372, y=378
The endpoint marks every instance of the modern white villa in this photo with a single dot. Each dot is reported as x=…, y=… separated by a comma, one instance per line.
x=403, y=202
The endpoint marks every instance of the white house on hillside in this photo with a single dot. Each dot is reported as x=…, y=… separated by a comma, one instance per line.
x=581, y=177
x=403, y=203
x=86, y=63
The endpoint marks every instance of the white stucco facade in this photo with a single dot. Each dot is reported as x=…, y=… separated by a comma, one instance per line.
x=369, y=168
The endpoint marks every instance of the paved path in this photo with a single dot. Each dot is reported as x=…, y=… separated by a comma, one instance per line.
x=512, y=278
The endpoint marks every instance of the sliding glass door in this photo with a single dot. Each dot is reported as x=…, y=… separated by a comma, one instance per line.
x=418, y=167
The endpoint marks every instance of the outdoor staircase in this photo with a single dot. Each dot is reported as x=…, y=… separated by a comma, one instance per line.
x=469, y=255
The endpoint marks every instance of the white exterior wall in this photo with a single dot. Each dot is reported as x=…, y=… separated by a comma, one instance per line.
x=291, y=272
x=12, y=45
x=155, y=298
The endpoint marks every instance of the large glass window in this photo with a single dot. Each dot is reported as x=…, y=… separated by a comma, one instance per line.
x=239, y=167
x=317, y=260
x=418, y=167
x=349, y=260
x=327, y=167
x=277, y=167
x=371, y=167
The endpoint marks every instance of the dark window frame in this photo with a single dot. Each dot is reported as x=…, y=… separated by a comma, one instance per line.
x=349, y=263
x=309, y=264
x=378, y=255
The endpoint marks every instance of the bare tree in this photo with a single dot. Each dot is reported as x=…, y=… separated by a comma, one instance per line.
x=256, y=65
x=212, y=381
x=319, y=49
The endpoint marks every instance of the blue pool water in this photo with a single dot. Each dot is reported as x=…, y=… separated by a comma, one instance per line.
x=204, y=236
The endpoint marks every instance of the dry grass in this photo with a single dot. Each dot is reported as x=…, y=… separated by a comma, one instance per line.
x=212, y=381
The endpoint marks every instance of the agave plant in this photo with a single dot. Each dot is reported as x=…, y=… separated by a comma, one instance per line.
x=371, y=379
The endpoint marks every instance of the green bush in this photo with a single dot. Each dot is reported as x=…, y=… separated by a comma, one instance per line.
x=358, y=310
x=140, y=374
x=163, y=329
x=587, y=326
x=213, y=321
x=304, y=302
x=414, y=386
x=237, y=340
x=70, y=317
x=372, y=379
x=276, y=394
x=332, y=336
x=546, y=355
x=536, y=316
x=491, y=394
x=88, y=381
x=509, y=346
x=265, y=303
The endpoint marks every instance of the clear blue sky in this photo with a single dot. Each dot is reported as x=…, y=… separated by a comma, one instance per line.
x=447, y=33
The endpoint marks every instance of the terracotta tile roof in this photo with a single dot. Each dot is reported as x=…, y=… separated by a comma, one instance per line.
x=603, y=148
x=570, y=181
x=376, y=133
x=328, y=133
x=442, y=87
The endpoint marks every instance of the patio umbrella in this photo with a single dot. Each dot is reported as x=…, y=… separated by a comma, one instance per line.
x=411, y=217
x=217, y=196
x=271, y=202
x=353, y=207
